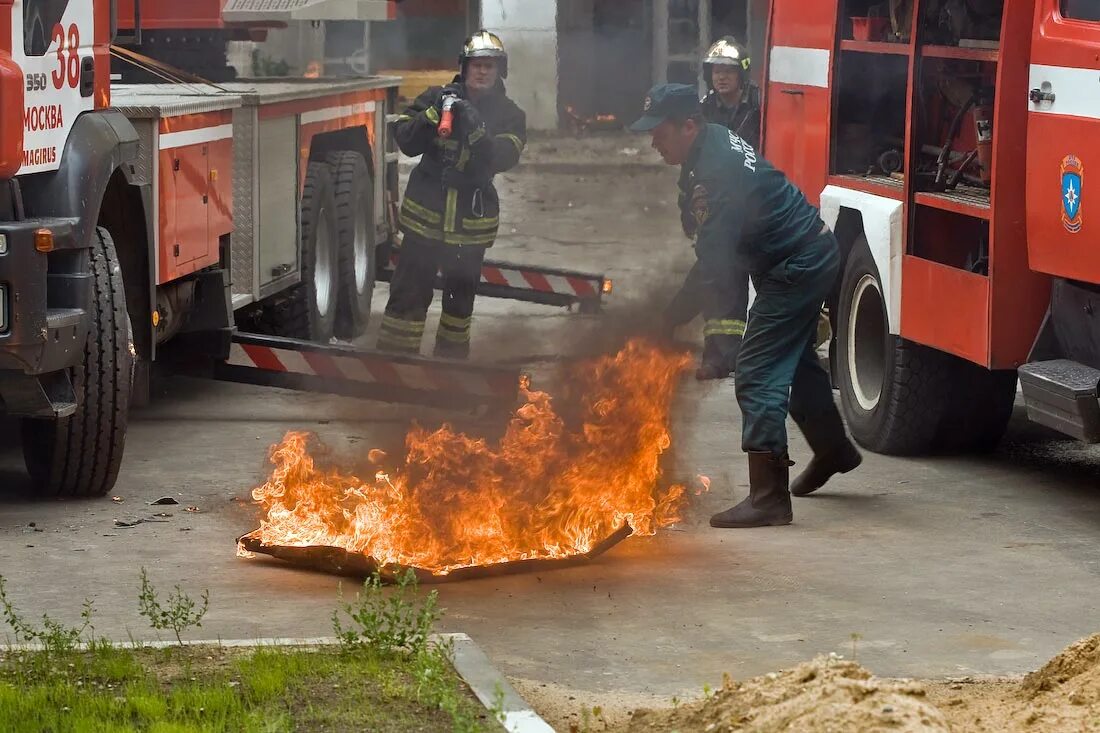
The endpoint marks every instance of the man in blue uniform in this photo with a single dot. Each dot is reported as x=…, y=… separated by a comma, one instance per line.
x=751, y=217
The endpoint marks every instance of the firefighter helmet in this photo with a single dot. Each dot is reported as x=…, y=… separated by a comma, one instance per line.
x=485, y=45
x=726, y=51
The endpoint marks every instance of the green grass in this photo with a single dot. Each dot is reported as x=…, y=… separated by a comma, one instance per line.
x=201, y=689
x=385, y=675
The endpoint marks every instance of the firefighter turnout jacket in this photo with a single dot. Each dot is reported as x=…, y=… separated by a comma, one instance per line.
x=450, y=197
x=742, y=120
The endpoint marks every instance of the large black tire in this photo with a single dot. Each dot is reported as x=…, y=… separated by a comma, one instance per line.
x=79, y=456
x=308, y=311
x=979, y=410
x=354, y=193
x=894, y=393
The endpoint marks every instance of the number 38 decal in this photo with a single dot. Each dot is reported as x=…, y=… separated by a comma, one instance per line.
x=67, y=72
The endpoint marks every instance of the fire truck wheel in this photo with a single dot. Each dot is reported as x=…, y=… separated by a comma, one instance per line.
x=79, y=456
x=308, y=311
x=894, y=392
x=354, y=193
x=979, y=410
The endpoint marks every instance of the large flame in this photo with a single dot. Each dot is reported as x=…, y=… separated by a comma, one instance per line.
x=556, y=484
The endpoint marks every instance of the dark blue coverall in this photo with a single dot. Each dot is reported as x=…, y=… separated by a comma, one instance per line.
x=752, y=218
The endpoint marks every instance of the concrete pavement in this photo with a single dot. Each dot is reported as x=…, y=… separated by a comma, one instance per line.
x=941, y=566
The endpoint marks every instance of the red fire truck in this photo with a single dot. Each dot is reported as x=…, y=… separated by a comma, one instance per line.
x=147, y=220
x=951, y=144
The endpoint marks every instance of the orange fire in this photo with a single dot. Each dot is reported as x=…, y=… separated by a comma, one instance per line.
x=555, y=485
x=313, y=70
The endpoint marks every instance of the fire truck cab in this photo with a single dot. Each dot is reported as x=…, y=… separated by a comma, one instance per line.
x=950, y=144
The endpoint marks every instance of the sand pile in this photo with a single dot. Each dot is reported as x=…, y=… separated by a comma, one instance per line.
x=827, y=695
x=831, y=694
x=1062, y=696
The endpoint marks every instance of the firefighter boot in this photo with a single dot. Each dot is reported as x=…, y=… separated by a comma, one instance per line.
x=768, y=503
x=834, y=453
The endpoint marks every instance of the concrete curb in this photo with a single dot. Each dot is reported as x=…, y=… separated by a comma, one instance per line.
x=473, y=666
x=491, y=688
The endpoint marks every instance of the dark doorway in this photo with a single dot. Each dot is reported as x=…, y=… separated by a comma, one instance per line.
x=605, y=56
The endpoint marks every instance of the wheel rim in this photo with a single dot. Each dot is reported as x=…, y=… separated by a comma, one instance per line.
x=362, y=249
x=322, y=266
x=866, y=345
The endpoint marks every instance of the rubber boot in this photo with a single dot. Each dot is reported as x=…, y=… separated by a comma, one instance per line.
x=768, y=503
x=834, y=453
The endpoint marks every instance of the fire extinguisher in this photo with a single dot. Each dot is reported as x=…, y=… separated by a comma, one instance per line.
x=983, y=128
x=447, y=120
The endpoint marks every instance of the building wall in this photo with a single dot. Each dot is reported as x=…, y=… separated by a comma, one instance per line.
x=529, y=31
x=426, y=34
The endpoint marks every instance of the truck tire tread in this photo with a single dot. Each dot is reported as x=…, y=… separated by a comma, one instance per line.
x=291, y=314
x=349, y=172
x=915, y=388
x=80, y=456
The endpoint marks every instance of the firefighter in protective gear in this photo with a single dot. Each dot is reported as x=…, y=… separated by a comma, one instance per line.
x=751, y=217
x=733, y=102
x=451, y=211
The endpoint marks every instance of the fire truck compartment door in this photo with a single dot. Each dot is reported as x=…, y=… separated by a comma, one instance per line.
x=1063, y=158
x=797, y=106
x=277, y=218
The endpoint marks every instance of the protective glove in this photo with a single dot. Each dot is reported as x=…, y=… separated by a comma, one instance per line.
x=469, y=121
x=451, y=90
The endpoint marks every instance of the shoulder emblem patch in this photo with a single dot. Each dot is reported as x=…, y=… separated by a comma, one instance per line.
x=700, y=204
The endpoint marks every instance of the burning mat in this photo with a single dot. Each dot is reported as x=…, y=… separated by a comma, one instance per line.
x=567, y=480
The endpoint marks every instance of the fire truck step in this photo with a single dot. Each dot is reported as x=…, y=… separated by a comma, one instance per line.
x=1063, y=395
x=533, y=284
x=365, y=374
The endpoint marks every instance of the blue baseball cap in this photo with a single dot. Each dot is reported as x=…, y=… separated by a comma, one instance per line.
x=667, y=101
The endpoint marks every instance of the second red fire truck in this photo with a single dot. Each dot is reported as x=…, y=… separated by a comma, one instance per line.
x=952, y=144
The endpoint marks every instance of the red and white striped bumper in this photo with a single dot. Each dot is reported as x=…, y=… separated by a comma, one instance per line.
x=545, y=285
x=342, y=370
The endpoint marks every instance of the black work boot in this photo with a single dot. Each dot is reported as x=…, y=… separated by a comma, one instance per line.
x=834, y=453
x=769, y=503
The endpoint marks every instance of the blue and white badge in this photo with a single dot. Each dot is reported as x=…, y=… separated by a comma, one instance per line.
x=1073, y=179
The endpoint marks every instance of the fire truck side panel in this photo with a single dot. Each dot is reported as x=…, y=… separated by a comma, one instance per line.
x=946, y=308
x=1020, y=296
x=276, y=222
x=1064, y=147
x=195, y=164
x=320, y=116
x=172, y=14
x=798, y=104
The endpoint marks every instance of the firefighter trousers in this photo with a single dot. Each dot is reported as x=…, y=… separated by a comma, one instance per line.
x=412, y=289
x=724, y=306
x=778, y=370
